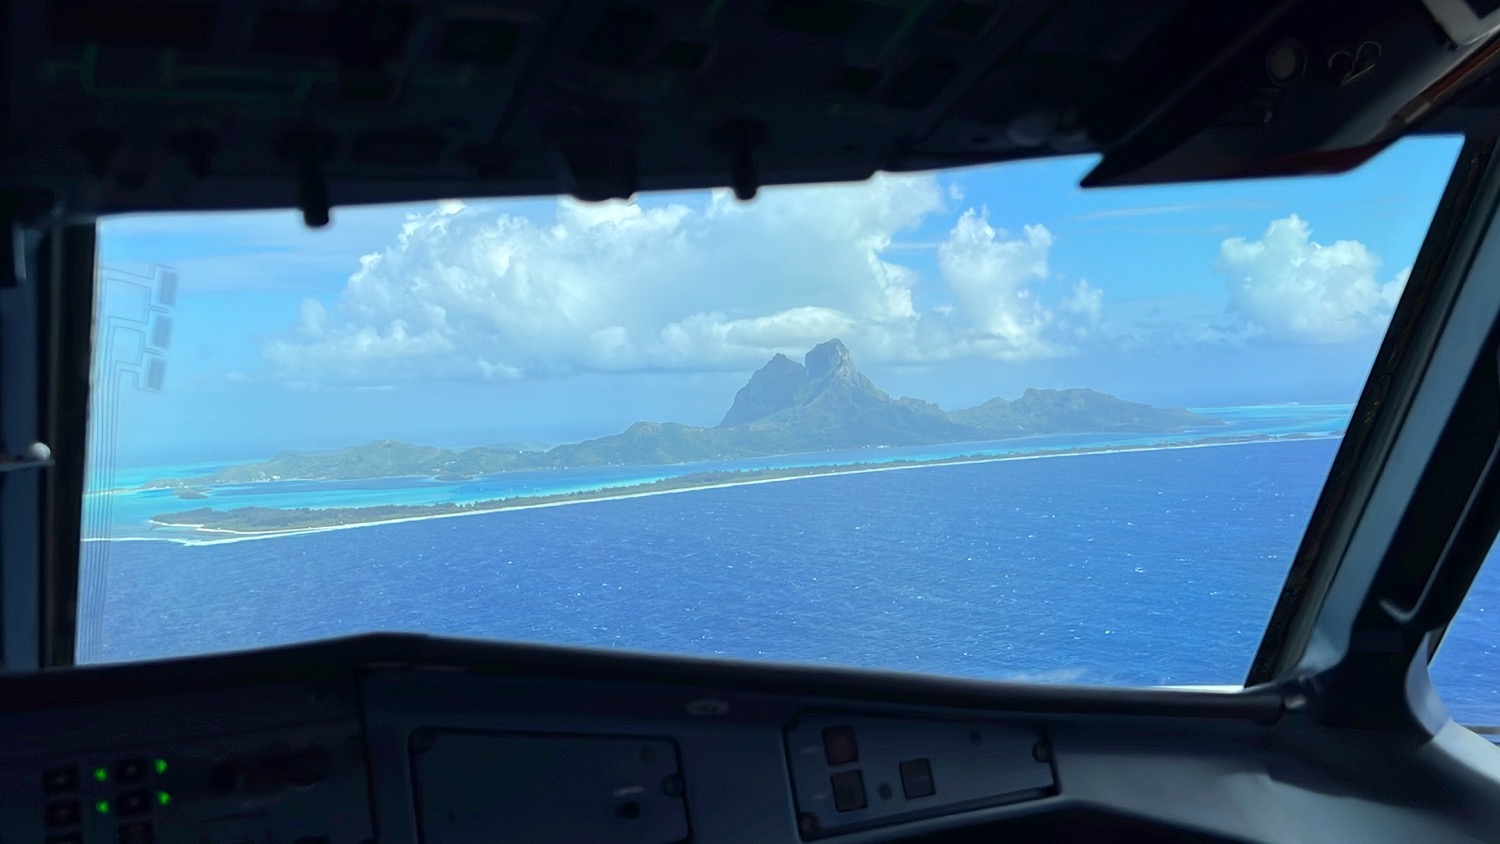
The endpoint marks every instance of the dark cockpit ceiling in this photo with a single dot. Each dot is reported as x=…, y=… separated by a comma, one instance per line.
x=120, y=105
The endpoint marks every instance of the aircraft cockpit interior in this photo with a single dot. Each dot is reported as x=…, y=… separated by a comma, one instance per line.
x=656, y=421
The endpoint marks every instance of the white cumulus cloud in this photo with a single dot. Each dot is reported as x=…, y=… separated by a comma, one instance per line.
x=1087, y=305
x=992, y=274
x=474, y=291
x=1287, y=286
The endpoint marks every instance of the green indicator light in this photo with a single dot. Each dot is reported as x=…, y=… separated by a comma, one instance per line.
x=101, y=774
x=163, y=798
x=161, y=766
x=102, y=807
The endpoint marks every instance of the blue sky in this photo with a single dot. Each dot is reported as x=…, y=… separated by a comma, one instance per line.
x=540, y=320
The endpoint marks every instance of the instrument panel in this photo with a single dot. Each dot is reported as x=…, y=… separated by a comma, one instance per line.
x=278, y=763
x=540, y=787
x=341, y=744
x=861, y=773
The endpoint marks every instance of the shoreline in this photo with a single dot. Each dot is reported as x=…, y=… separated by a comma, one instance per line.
x=204, y=535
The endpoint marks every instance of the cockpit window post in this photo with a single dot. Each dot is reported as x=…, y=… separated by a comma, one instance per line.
x=44, y=318
x=1462, y=216
x=1406, y=517
x=68, y=267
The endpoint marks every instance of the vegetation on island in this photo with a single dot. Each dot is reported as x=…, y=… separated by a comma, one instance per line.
x=787, y=407
x=278, y=520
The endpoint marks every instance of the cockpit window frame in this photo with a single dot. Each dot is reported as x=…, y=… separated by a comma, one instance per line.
x=1332, y=581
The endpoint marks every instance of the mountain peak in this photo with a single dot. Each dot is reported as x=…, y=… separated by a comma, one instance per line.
x=784, y=383
x=773, y=387
x=827, y=359
x=827, y=384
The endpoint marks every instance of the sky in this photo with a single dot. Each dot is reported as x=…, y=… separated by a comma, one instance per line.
x=549, y=320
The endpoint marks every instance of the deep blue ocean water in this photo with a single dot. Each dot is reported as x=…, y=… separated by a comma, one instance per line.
x=1139, y=568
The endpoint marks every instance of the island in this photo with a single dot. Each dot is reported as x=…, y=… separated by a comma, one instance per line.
x=819, y=404
x=787, y=407
x=271, y=521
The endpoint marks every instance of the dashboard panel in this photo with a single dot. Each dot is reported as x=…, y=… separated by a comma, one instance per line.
x=406, y=738
x=538, y=787
x=863, y=773
x=257, y=763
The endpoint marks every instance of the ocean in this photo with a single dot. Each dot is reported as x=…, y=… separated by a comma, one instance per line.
x=1152, y=567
